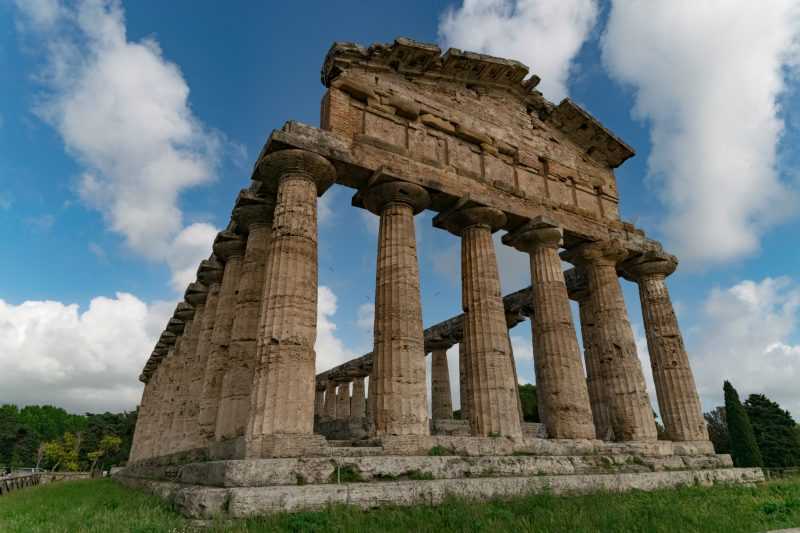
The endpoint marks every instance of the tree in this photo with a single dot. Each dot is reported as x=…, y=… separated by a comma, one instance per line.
x=718, y=430
x=63, y=452
x=530, y=403
x=9, y=427
x=774, y=431
x=108, y=444
x=744, y=448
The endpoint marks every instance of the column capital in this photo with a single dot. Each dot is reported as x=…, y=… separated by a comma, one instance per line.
x=210, y=271
x=228, y=244
x=610, y=252
x=274, y=167
x=175, y=325
x=196, y=293
x=577, y=284
x=537, y=232
x=252, y=209
x=648, y=265
x=383, y=191
x=462, y=217
x=167, y=338
x=183, y=311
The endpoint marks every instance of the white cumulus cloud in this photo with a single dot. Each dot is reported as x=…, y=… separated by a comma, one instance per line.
x=708, y=77
x=544, y=34
x=747, y=334
x=82, y=360
x=331, y=351
x=122, y=109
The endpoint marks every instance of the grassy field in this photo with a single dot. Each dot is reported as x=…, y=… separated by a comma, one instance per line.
x=102, y=505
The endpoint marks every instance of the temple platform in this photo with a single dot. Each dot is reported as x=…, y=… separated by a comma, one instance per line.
x=373, y=473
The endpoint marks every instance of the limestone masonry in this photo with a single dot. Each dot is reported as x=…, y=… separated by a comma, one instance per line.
x=233, y=417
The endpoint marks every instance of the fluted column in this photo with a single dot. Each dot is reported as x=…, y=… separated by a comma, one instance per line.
x=591, y=356
x=319, y=403
x=330, y=400
x=196, y=295
x=676, y=391
x=169, y=374
x=441, y=399
x=228, y=248
x=282, y=399
x=148, y=418
x=210, y=273
x=146, y=413
x=621, y=372
x=253, y=216
x=343, y=401
x=560, y=382
x=464, y=391
x=493, y=408
x=399, y=355
x=181, y=325
x=371, y=402
x=358, y=402
x=516, y=379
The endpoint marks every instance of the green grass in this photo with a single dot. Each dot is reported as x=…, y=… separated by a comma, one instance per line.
x=102, y=505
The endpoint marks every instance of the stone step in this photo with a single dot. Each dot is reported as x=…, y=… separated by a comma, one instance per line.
x=321, y=470
x=353, y=443
x=355, y=451
x=205, y=502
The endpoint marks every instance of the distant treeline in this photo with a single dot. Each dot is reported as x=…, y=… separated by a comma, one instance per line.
x=48, y=436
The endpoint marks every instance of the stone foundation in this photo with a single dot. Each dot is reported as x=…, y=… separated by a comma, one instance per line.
x=281, y=487
x=408, y=470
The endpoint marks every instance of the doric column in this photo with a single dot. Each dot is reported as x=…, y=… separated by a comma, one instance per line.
x=516, y=379
x=330, y=400
x=319, y=402
x=282, y=400
x=677, y=395
x=253, y=217
x=343, y=401
x=371, y=402
x=228, y=248
x=196, y=295
x=210, y=274
x=172, y=408
x=560, y=382
x=621, y=372
x=591, y=356
x=399, y=386
x=358, y=402
x=148, y=416
x=169, y=374
x=463, y=383
x=147, y=411
x=494, y=409
x=142, y=415
x=181, y=325
x=441, y=399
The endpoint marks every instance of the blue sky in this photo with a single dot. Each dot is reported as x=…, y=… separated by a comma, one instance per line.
x=126, y=131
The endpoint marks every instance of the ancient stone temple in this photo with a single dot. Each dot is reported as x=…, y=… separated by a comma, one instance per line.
x=234, y=418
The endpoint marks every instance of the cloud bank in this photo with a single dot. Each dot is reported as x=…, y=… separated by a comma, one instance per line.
x=122, y=110
x=52, y=353
x=708, y=78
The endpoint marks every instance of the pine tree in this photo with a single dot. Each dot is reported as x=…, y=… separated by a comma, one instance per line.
x=744, y=448
x=774, y=430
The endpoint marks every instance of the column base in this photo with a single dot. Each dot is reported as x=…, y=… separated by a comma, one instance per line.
x=286, y=445
x=234, y=448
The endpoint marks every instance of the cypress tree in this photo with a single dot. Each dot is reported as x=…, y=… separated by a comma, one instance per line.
x=774, y=430
x=744, y=448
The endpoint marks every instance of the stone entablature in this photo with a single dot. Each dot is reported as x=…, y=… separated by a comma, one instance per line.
x=473, y=117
